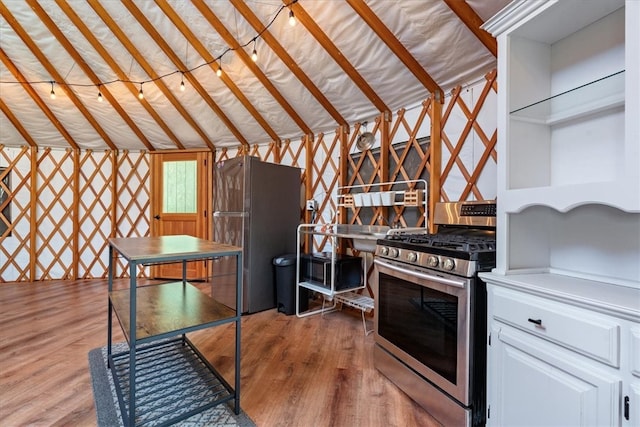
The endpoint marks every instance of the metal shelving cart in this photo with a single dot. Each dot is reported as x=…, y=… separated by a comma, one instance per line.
x=155, y=320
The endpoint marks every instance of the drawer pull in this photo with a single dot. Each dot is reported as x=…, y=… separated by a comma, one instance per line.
x=535, y=321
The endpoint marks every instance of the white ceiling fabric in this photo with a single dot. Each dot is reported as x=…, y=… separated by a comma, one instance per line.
x=431, y=32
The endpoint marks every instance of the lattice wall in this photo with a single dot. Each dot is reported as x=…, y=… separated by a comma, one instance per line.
x=62, y=205
x=65, y=204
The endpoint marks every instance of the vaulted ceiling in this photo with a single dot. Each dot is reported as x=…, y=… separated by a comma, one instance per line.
x=344, y=61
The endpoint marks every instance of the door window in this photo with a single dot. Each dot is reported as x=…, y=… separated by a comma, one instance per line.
x=179, y=186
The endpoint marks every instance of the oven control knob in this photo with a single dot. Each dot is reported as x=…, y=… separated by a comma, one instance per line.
x=432, y=261
x=412, y=256
x=393, y=252
x=448, y=264
x=384, y=250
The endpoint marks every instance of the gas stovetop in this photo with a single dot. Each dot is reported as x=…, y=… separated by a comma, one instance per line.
x=464, y=245
x=459, y=254
x=457, y=244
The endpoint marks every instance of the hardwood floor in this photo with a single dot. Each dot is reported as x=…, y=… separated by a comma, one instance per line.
x=314, y=371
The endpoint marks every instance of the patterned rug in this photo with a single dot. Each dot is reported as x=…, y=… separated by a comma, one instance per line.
x=183, y=381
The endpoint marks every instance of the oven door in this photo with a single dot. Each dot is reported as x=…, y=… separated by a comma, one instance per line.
x=423, y=320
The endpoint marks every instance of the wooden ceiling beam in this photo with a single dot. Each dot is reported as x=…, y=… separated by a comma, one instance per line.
x=16, y=123
x=44, y=17
x=126, y=42
x=303, y=17
x=204, y=52
x=471, y=19
x=109, y=60
x=26, y=39
x=244, y=56
x=36, y=98
x=155, y=35
x=383, y=32
x=287, y=60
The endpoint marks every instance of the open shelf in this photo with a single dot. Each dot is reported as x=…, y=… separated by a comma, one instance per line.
x=169, y=364
x=596, y=97
x=169, y=307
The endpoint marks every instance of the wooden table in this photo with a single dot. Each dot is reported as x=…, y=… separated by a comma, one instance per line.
x=152, y=315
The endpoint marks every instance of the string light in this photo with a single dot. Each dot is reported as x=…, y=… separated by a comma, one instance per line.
x=254, y=57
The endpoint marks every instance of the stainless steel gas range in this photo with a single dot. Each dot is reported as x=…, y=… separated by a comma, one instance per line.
x=430, y=311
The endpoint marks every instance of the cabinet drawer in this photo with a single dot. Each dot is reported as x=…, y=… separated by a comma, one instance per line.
x=591, y=334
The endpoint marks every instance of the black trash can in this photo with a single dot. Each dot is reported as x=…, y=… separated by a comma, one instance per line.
x=284, y=267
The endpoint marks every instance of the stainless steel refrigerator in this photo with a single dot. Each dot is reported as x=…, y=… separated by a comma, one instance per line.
x=256, y=206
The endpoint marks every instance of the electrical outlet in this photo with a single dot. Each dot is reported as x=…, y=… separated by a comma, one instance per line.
x=311, y=205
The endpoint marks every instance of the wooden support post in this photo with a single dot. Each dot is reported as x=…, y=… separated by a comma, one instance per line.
x=436, y=159
x=33, y=223
x=308, y=190
x=75, y=214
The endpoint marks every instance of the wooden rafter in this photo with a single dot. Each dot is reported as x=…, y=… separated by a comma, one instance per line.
x=36, y=98
x=109, y=60
x=208, y=14
x=204, y=52
x=287, y=60
x=471, y=19
x=137, y=55
x=46, y=19
x=396, y=47
x=16, y=123
x=155, y=35
x=24, y=36
x=303, y=17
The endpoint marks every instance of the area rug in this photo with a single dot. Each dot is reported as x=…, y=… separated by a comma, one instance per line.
x=106, y=400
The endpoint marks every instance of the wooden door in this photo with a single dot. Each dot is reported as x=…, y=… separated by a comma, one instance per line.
x=181, y=186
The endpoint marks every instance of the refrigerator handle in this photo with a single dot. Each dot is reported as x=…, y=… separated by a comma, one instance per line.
x=218, y=214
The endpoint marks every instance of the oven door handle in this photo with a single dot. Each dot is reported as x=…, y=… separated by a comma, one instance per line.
x=444, y=281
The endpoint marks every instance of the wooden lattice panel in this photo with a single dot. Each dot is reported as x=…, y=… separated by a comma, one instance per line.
x=15, y=248
x=462, y=142
x=324, y=171
x=355, y=166
x=94, y=213
x=132, y=199
x=54, y=214
x=399, y=170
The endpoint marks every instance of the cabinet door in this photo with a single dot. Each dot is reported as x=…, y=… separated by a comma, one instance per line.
x=634, y=404
x=534, y=383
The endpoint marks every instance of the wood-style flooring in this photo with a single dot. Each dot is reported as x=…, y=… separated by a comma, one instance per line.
x=313, y=371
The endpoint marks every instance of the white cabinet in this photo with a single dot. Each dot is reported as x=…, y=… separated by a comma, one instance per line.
x=538, y=385
x=564, y=298
x=561, y=354
x=568, y=103
x=569, y=139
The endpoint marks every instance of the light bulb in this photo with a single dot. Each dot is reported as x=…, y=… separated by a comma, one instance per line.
x=292, y=18
x=52, y=94
x=254, y=55
x=99, y=96
x=140, y=94
x=182, y=86
x=219, y=71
